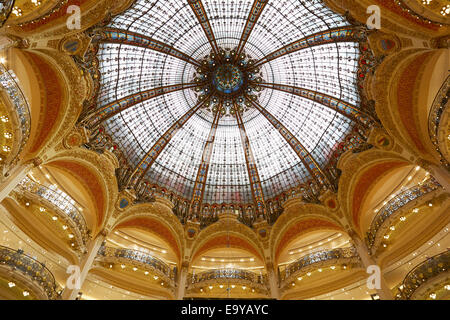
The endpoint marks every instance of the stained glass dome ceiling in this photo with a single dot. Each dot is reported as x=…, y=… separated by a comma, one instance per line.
x=249, y=126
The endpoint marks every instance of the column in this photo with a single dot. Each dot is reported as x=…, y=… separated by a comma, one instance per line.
x=182, y=279
x=384, y=292
x=16, y=176
x=85, y=265
x=273, y=282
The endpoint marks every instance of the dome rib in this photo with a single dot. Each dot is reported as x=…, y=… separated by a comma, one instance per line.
x=255, y=12
x=339, y=34
x=115, y=35
x=305, y=157
x=202, y=17
x=150, y=157
x=346, y=109
x=113, y=108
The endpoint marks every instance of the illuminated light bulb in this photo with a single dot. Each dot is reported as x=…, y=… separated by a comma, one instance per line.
x=392, y=228
x=8, y=135
x=241, y=260
x=146, y=273
x=122, y=266
x=65, y=227
x=72, y=244
x=213, y=259
x=4, y=119
x=415, y=210
x=233, y=286
x=253, y=290
x=252, y=259
x=26, y=293
x=386, y=237
x=447, y=287
x=155, y=277
x=384, y=245
x=6, y=149
x=402, y=218
x=333, y=267
x=210, y=287
x=110, y=266
x=134, y=269
x=433, y=296
x=308, y=274
x=11, y=284
x=54, y=218
x=417, y=168
x=164, y=251
x=27, y=204
x=244, y=287
x=320, y=270
x=221, y=286
x=299, y=278
x=293, y=284
x=409, y=178
x=203, y=259
x=430, y=204
x=162, y=283
x=222, y=260
x=70, y=236
x=201, y=290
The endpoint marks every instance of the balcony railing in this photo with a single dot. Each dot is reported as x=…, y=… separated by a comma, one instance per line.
x=228, y=274
x=9, y=84
x=425, y=271
x=5, y=10
x=395, y=204
x=138, y=257
x=37, y=271
x=440, y=104
x=63, y=202
x=344, y=254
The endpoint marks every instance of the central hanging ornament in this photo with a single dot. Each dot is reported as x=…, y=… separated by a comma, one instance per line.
x=228, y=80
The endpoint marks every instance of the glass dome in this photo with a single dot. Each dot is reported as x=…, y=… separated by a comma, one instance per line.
x=240, y=111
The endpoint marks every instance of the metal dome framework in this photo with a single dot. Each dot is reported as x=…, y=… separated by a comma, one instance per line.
x=297, y=109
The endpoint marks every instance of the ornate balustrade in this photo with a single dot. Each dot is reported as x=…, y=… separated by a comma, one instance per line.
x=63, y=203
x=422, y=273
x=395, y=204
x=236, y=276
x=36, y=271
x=5, y=10
x=9, y=85
x=438, y=108
x=346, y=256
x=138, y=258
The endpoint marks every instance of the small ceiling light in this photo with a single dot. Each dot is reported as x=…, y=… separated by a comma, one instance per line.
x=402, y=218
x=65, y=228
x=11, y=284
x=146, y=273
x=415, y=210
x=308, y=274
x=233, y=286
x=26, y=293
x=54, y=218
x=41, y=209
x=386, y=237
x=320, y=270
x=299, y=278
x=392, y=228
x=122, y=266
x=433, y=296
x=155, y=277
x=210, y=287
x=71, y=236
x=221, y=286
x=134, y=269
x=333, y=267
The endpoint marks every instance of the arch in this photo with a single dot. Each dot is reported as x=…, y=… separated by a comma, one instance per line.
x=295, y=211
x=95, y=173
x=155, y=226
x=301, y=227
x=405, y=96
x=360, y=172
x=55, y=89
x=224, y=233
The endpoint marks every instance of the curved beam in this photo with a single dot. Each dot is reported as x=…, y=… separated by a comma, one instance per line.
x=200, y=13
x=115, y=107
x=114, y=35
x=253, y=175
x=256, y=10
x=346, y=109
x=202, y=174
x=341, y=34
x=163, y=141
x=305, y=157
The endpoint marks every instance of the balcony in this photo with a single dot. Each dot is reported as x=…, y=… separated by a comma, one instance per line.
x=17, y=115
x=62, y=204
x=421, y=274
x=231, y=277
x=139, y=259
x=40, y=279
x=6, y=8
x=380, y=221
x=344, y=257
